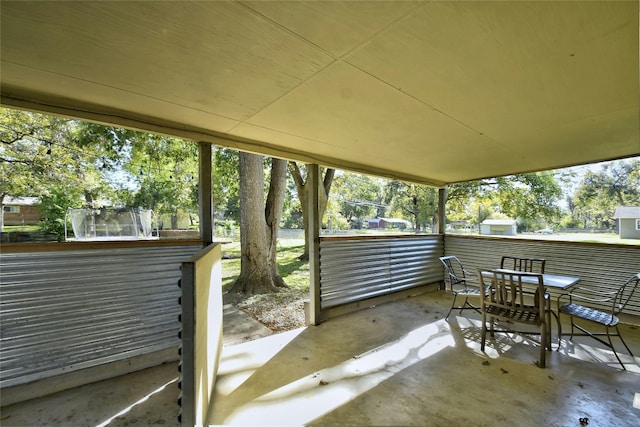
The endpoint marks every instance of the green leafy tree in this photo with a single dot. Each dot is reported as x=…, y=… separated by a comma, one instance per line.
x=161, y=172
x=531, y=197
x=226, y=183
x=299, y=175
x=292, y=216
x=40, y=153
x=53, y=210
x=418, y=203
x=359, y=196
x=167, y=175
x=598, y=194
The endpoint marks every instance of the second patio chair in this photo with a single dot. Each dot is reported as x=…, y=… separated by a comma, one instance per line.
x=532, y=265
x=508, y=301
x=597, y=308
x=460, y=283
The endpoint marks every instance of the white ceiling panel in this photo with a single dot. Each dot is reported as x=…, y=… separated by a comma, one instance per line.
x=432, y=92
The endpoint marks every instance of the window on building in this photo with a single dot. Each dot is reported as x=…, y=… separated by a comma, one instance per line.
x=637, y=224
x=12, y=209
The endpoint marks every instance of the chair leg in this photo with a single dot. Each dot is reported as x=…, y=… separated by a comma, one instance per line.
x=559, y=331
x=452, y=306
x=465, y=304
x=491, y=322
x=625, y=344
x=614, y=349
x=549, y=332
x=484, y=331
x=543, y=345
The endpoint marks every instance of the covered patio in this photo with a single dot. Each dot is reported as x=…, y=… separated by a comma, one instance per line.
x=434, y=93
x=398, y=363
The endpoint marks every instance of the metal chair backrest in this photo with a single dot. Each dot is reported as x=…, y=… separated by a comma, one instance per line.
x=625, y=293
x=512, y=289
x=531, y=265
x=455, y=273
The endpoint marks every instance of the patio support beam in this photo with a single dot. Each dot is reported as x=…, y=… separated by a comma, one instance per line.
x=313, y=237
x=204, y=193
x=442, y=218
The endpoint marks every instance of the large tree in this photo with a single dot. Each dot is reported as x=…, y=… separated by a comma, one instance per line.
x=359, y=196
x=226, y=183
x=414, y=201
x=156, y=172
x=39, y=154
x=528, y=197
x=302, y=187
x=599, y=192
x=259, y=224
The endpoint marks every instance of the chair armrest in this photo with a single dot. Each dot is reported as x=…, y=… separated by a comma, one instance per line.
x=606, y=297
x=576, y=291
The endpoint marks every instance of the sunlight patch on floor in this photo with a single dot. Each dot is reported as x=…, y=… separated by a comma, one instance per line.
x=590, y=353
x=238, y=363
x=144, y=399
x=310, y=397
x=473, y=342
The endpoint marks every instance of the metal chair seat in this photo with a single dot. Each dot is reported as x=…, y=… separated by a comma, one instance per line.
x=591, y=314
x=615, y=300
x=468, y=291
x=518, y=314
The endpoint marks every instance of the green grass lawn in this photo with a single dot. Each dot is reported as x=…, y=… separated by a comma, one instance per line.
x=584, y=237
x=20, y=228
x=294, y=272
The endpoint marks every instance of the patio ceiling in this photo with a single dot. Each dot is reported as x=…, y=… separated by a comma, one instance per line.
x=430, y=92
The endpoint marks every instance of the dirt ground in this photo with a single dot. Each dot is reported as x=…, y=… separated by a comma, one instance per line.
x=282, y=311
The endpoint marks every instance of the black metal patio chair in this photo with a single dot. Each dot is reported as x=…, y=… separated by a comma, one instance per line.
x=460, y=283
x=597, y=308
x=531, y=265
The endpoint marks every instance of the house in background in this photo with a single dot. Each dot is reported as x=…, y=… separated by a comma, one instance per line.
x=395, y=223
x=628, y=221
x=501, y=227
x=21, y=211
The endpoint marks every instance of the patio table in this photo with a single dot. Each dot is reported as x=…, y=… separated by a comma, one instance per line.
x=554, y=281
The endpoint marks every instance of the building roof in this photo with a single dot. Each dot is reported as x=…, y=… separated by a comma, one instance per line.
x=420, y=91
x=625, y=212
x=390, y=221
x=499, y=222
x=21, y=201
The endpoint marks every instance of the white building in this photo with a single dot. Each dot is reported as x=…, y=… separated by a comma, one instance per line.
x=502, y=227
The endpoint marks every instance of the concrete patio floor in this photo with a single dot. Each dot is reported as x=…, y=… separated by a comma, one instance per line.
x=398, y=363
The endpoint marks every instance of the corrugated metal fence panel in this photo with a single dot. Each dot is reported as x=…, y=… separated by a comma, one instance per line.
x=599, y=266
x=67, y=310
x=356, y=269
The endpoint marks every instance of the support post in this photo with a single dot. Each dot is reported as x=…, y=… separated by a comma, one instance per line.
x=442, y=218
x=204, y=193
x=313, y=237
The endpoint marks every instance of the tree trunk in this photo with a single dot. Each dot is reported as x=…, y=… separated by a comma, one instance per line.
x=259, y=226
x=273, y=214
x=303, y=195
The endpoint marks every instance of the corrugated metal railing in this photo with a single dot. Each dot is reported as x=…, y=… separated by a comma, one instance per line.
x=65, y=310
x=599, y=266
x=355, y=269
